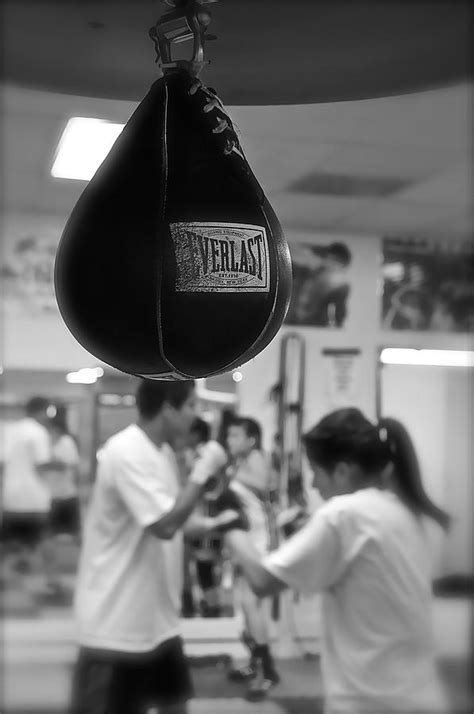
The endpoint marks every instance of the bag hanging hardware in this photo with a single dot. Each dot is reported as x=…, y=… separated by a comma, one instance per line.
x=185, y=20
x=188, y=20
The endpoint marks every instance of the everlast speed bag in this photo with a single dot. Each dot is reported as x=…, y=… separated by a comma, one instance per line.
x=173, y=264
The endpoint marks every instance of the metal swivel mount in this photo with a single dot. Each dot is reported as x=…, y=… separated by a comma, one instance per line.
x=184, y=20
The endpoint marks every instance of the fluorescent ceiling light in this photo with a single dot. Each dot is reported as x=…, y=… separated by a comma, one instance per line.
x=428, y=358
x=83, y=146
x=87, y=375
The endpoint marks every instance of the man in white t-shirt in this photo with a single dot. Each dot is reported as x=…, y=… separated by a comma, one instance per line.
x=26, y=497
x=130, y=572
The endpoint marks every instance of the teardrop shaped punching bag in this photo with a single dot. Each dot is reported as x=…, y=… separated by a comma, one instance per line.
x=173, y=264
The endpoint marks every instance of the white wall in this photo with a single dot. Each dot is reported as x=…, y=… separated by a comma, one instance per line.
x=435, y=404
x=459, y=469
x=360, y=331
x=34, y=335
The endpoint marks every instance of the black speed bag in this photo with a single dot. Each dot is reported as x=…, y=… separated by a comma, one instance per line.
x=173, y=264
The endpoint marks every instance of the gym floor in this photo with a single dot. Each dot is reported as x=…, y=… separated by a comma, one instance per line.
x=39, y=652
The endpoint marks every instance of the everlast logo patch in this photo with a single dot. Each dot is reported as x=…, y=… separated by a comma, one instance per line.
x=220, y=257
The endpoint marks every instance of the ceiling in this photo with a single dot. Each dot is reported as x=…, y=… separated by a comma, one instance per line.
x=397, y=165
x=267, y=52
x=323, y=95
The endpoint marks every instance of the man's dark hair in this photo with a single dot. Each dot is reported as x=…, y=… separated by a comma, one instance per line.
x=35, y=405
x=151, y=395
x=251, y=427
x=201, y=428
x=340, y=252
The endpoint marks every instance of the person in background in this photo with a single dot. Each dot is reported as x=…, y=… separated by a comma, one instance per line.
x=26, y=496
x=128, y=595
x=65, y=513
x=322, y=298
x=367, y=551
x=411, y=304
x=250, y=478
x=226, y=418
x=205, y=552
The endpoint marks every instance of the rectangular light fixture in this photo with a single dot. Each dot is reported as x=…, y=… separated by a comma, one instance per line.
x=427, y=358
x=83, y=146
x=86, y=375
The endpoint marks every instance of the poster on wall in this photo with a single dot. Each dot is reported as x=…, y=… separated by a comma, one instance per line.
x=27, y=268
x=342, y=378
x=321, y=284
x=428, y=285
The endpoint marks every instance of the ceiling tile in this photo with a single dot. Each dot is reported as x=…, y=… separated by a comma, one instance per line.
x=277, y=161
x=405, y=162
x=460, y=224
x=310, y=212
x=423, y=137
x=432, y=119
x=336, y=184
x=393, y=216
x=453, y=187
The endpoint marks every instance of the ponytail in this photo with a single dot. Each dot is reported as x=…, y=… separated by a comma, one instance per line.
x=407, y=472
x=347, y=435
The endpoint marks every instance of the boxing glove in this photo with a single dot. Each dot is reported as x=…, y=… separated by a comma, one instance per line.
x=292, y=520
x=228, y=500
x=211, y=459
x=173, y=264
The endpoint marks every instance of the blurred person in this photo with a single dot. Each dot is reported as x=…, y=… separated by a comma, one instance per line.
x=411, y=305
x=454, y=307
x=65, y=513
x=199, y=434
x=205, y=552
x=322, y=297
x=227, y=416
x=367, y=550
x=250, y=479
x=130, y=573
x=64, y=483
x=26, y=496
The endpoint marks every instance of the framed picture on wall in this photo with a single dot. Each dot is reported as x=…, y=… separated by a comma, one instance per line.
x=428, y=284
x=27, y=267
x=321, y=284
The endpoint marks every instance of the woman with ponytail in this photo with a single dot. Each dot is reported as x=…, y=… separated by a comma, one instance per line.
x=366, y=550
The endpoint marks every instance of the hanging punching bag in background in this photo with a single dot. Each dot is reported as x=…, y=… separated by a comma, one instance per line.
x=173, y=264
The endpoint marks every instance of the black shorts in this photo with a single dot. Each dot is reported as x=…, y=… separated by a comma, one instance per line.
x=122, y=683
x=24, y=528
x=205, y=573
x=65, y=516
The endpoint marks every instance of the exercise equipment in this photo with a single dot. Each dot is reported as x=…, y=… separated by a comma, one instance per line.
x=290, y=392
x=173, y=264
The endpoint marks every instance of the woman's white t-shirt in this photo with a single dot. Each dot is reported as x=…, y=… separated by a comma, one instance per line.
x=129, y=584
x=369, y=556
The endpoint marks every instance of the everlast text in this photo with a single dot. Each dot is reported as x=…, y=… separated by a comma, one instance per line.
x=220, y=257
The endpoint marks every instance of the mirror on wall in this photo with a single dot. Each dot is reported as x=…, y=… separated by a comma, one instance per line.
x=435, y=403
